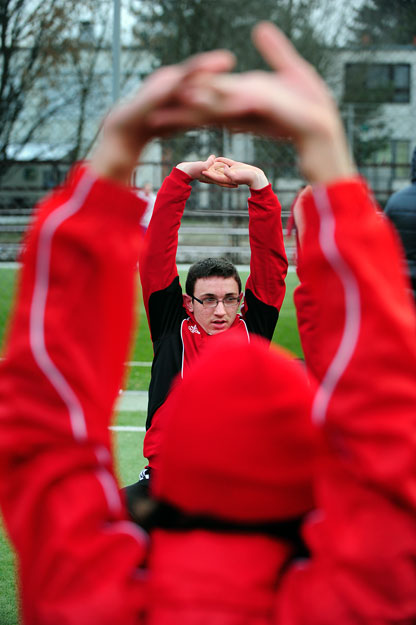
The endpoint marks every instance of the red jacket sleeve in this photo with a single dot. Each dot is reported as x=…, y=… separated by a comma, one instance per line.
x=62, y=369
x=268, y=263
x=362, y=538
x=158, y=260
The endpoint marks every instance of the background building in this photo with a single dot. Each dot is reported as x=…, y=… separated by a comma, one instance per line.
x=376, y=86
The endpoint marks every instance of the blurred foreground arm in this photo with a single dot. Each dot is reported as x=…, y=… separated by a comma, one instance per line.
x=362, y=539
x=63, y=367
x=358, y=331
x=78, y=558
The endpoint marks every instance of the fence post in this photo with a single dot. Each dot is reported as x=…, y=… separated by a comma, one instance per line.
x=350, y=127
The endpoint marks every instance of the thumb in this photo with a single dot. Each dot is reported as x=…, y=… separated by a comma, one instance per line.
x=229, y=172
x=210, y=161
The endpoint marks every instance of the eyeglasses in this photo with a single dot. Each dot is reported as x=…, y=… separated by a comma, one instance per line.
x=229, y=301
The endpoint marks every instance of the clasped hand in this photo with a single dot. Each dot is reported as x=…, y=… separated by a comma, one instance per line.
x=225, y=172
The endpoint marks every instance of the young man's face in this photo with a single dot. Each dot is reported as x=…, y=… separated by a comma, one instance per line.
x=219, y=318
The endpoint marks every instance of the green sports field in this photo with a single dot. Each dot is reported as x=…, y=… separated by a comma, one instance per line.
x=127, y=444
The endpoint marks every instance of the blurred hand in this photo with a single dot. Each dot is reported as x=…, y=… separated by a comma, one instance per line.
x=131, y=124
x=292, y=102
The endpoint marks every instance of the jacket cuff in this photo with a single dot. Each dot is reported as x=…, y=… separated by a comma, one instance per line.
x=108, y=195
x=180, y=176
x=258, y=193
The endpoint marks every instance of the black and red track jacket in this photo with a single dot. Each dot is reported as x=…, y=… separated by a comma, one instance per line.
x=177, y=337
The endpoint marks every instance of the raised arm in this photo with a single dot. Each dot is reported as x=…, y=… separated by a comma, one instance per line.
x=361, y=345
x=364, y=330
x=78, y=558
x=265, y=287
x=158, y=262
x=268, y=262
x=62, y=369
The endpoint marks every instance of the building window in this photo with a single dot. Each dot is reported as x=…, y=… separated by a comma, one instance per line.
x=395, y=155
x=30, y=174
x=401, y=156
x=377, y=82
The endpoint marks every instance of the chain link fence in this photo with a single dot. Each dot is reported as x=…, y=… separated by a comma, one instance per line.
x=383, y=161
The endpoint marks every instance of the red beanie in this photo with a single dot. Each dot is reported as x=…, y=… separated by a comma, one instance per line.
x=238, y=439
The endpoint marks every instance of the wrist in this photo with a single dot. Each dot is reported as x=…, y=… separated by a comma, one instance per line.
x=180, y=175
x=188, y=169
x=325, y=158
x=116, y=157
x=259, y=181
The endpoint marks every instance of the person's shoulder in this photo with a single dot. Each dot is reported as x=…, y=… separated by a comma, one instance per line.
x=405, y=199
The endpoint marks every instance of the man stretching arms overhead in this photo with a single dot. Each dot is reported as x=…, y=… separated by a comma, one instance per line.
x=181, y=324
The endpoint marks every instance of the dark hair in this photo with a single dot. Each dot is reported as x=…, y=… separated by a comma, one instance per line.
x=209, y=267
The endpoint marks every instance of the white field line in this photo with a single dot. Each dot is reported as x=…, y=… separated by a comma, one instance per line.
x=127, y=428
x=138, y=363
x=131, y=363
x=181, y=267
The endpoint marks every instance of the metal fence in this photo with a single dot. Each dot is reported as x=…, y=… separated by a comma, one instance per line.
x=217, y=216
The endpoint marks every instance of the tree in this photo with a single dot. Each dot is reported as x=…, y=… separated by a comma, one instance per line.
x=30, y=32
x=55, y=74
x=90, y=87
x=369, y=85
x=385, y=22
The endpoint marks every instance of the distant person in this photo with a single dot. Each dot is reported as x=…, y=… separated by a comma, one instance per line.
x=182, y=324
x=146, y=194
x=401, y=210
